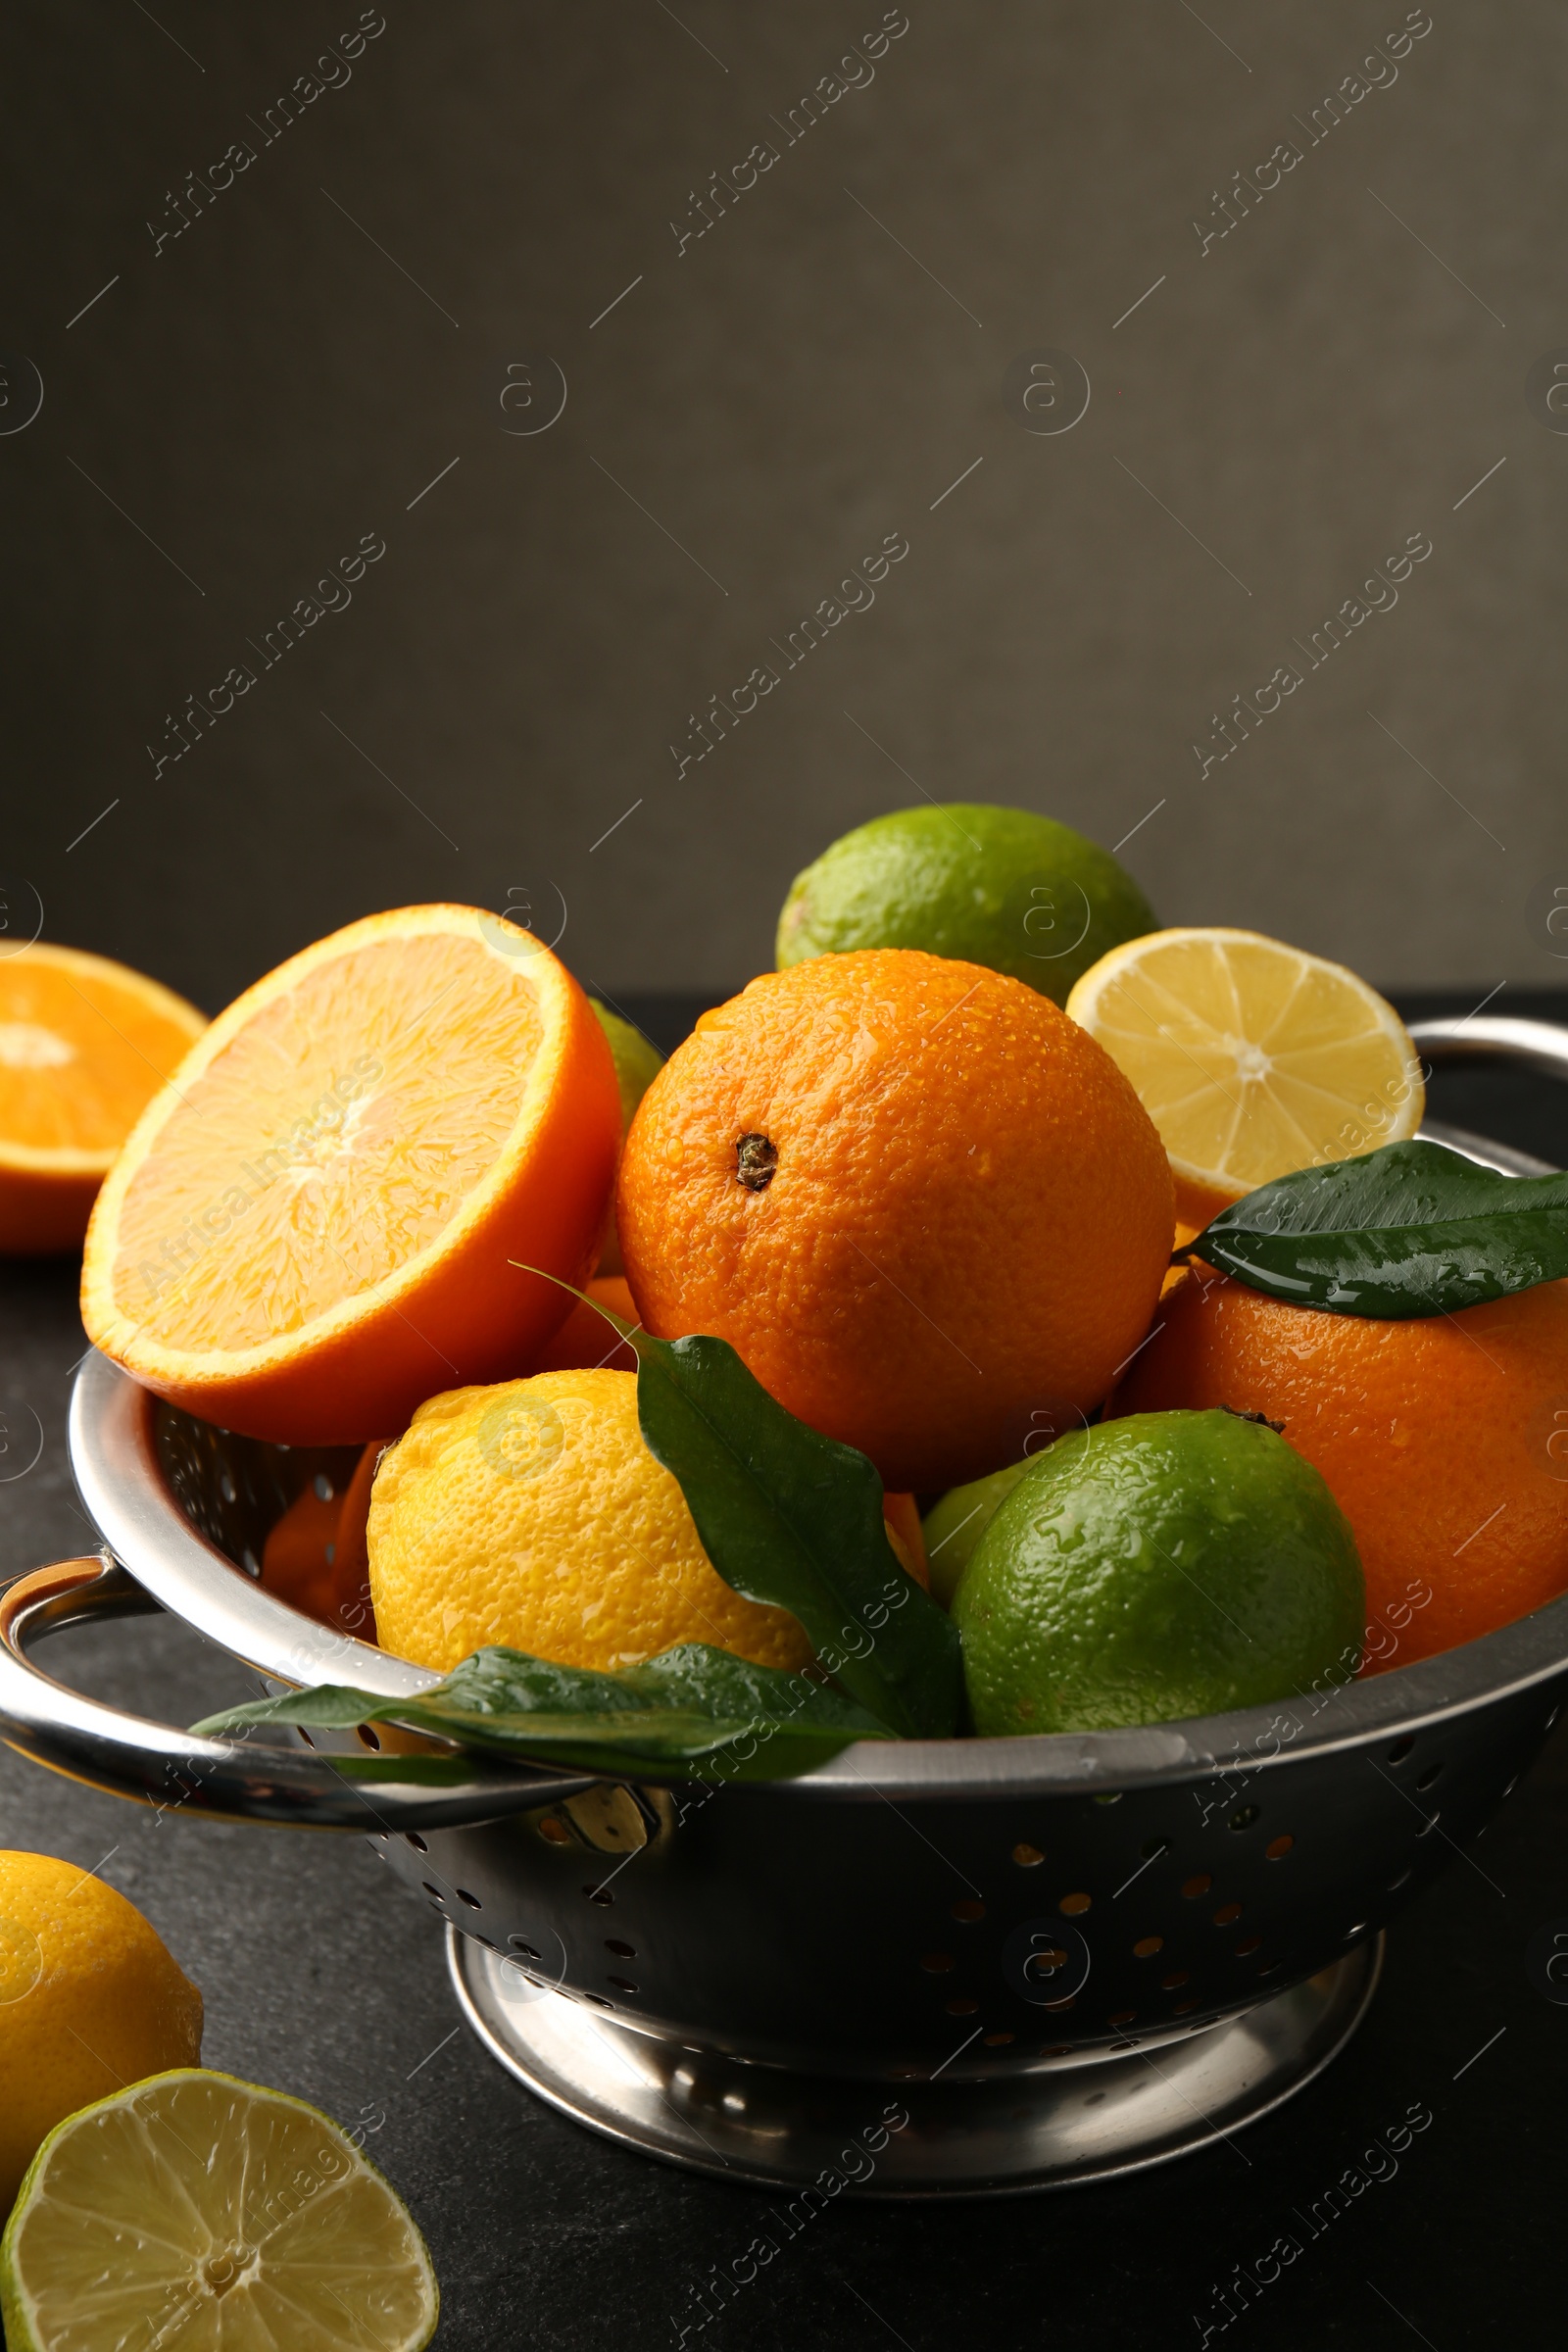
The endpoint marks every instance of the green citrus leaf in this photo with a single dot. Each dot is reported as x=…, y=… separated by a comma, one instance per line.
x=691, y=1713
x=795, y=1519
x=1412, y=1229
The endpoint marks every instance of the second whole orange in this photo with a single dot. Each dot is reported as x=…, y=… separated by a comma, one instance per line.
x=1443, y=1440
x=923, y=1205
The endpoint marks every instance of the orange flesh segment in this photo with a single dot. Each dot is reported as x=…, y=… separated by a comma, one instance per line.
x=79, y=1056
x=309, y=1161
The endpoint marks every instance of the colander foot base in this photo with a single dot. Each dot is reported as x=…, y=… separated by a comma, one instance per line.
x=961, y=2138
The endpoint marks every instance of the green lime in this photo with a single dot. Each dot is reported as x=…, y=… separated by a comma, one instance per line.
x=198, y=2211
x=953, y=1526
x=637, y=1065
x=1000, y=887
x=1163, y=1566
x=637, y=1062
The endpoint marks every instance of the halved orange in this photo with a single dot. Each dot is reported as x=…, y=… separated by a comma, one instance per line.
x=309, y=1230
x=84, y=1043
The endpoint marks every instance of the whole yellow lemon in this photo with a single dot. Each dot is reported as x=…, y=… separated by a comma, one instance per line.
x=91, y=2000
x=533, y=1515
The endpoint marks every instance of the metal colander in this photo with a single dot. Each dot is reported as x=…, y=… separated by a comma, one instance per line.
x=930, y=1968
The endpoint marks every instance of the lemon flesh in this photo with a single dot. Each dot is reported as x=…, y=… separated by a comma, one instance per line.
x=198, y=2212
x=1251, y=1058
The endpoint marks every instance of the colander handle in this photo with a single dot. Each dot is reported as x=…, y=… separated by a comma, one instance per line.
x=224, y=1780
x=1494, y=1037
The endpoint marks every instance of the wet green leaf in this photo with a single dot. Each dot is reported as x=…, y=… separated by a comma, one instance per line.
x=792, y=1518
x=1413, y=1229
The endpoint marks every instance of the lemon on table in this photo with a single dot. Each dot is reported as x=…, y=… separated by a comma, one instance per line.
x=89, y=2000
x=1155, y=1568
x=1000, y=887
x=1251, y=1058
x=532, y=1515
x=204, y=2213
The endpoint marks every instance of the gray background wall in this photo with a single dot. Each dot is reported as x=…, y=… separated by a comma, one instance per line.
x=765, y=404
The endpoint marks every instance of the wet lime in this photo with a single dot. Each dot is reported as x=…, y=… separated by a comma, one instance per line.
x=1163, y=1566
x=953, y=1526
x=994, y=886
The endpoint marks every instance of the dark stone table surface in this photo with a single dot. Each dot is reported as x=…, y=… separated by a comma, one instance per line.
x=323, y=1977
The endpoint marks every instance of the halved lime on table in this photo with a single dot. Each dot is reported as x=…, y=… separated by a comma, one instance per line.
x=199, y=2212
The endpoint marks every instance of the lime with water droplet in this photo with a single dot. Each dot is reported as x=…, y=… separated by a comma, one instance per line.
x=1154, y=1568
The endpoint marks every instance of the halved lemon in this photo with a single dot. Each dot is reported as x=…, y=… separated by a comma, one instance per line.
x=1252, y=1059
x=310, y=1227
x=198, y=2211
x=83, y=1043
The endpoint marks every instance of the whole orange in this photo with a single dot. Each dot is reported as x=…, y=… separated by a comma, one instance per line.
x=1444, y=1440
x=923, y=1205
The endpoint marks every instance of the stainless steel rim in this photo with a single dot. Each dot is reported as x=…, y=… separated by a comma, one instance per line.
x=121, y=1481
